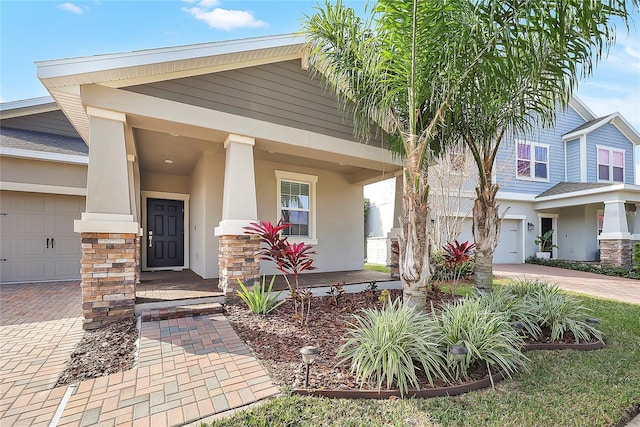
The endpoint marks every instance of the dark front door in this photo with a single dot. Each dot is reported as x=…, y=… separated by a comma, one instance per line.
x=165, y=233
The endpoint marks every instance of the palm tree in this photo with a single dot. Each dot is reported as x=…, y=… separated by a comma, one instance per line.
x=530, y=69
x=433, y=72
x=387, y=70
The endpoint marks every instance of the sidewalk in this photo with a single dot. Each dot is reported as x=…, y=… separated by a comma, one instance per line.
x=188, y=368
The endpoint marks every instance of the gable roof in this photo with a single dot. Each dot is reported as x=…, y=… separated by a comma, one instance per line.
x=616, y=119
x=63, y=77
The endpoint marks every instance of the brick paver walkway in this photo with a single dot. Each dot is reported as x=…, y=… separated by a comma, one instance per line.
x=188, y=369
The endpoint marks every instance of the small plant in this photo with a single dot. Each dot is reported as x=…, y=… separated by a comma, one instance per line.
x=636, y=256
x=545, y=242
x=487, y=336
x=386, y=345
x=336, y=292
x=290, y=259
x=457, y=257
x=259, y=300
x=384, y=296
x=305, y=305
x=371, y=289
x=556, y=311
x=514, y=307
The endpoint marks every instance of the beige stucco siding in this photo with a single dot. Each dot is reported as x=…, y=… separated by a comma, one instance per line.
x=205, y=214
x=164, y=182
x=40, y=172
x=339, y=215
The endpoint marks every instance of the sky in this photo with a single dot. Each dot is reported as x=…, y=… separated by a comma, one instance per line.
x=41, y=30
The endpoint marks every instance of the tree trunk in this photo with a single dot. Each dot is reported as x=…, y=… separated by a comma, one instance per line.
x=414, y=241
x=486, y=231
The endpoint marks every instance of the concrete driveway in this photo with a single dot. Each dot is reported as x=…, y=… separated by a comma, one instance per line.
x=615, y=288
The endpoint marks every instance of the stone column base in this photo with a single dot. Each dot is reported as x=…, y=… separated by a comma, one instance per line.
x=238, y=258
x=615, y=252
x=109, y=273
x=394, y=258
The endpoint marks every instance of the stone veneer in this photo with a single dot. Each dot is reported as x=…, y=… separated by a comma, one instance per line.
x=109, y=273
x=394, y=258
x=615, y=252
x=238, y=258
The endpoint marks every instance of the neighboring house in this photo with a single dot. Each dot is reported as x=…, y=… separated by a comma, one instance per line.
x=578, y=178
x=188, y=145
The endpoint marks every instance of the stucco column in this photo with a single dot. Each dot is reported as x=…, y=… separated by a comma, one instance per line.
x=109, y=232
x=615, y=239
x=238, y=252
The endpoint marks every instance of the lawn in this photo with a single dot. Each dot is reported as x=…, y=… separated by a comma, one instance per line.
x=568, y=388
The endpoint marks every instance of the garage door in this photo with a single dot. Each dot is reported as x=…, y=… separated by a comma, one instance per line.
x=38, y=242
x=509, y=249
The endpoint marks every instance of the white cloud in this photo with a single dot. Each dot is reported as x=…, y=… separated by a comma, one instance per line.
x=223, y=19
x=70, y=7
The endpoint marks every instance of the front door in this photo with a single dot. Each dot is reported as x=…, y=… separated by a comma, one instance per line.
x=165, y=233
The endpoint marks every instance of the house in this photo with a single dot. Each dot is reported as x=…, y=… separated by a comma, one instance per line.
x=186, y=146
x=579, y=178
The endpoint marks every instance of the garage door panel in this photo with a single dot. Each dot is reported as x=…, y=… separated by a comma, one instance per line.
x=30, y=219
x=30, y=247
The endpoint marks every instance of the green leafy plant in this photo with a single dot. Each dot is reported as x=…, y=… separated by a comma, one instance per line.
x=515, y=308
x=371, y=289
x=258, y=299
x=556, y=312
x=628, y=272
x=487, y=336
x=384, y=296
x=458, y=257
x=545, y=242
x=389, y=345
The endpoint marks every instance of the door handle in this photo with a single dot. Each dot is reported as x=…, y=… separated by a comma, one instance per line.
x=52, y=240
x=47, y=243
x=150, y=238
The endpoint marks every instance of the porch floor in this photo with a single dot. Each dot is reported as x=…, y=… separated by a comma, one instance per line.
x=158, y=286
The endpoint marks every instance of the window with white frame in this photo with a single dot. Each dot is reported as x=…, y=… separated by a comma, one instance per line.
x=532, y=160
x=296, y=206
x=610, y=164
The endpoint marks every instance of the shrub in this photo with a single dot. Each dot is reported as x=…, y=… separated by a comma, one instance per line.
x=636, y=257
x=488, y=336
x=627, y=272
x=442, y=271
x=555, y=311
x=385, y=346
x=259, y=300
x=505, y=300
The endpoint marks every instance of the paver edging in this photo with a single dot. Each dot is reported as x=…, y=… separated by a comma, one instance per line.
x=454, y=390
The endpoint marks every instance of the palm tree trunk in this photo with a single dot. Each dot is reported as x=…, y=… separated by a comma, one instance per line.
x=414, y=241
x=486, y=231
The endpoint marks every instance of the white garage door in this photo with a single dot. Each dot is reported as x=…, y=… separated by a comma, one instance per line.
x=38, y=242
x=509, y=249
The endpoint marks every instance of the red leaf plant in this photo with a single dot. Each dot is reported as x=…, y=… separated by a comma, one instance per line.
x=290, y=259
x=455, y=255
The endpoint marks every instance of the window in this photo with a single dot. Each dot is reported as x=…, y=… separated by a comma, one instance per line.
x=296, y=206
x=610, y=164
x=532, y=161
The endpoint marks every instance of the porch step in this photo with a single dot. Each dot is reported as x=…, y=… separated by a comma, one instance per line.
x=180, y=311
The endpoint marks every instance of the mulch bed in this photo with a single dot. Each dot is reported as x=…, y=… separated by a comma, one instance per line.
x=276, y=339
x=102, y=352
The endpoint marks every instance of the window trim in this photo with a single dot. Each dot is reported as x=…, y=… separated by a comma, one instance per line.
x=532, y=161
x=311, y=180
x=611, y=151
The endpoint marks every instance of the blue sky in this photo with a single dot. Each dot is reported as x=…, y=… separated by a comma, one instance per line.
x=40, y=30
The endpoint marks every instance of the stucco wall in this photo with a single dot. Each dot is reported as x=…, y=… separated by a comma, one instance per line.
x=164, y=182
x=577, y=233
x=43, y=173
x=340, y=219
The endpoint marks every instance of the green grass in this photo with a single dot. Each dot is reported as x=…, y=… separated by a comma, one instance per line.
x=562, y=388
x=377, y=267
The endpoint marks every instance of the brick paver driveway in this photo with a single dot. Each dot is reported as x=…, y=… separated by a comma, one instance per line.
x=40, y=324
